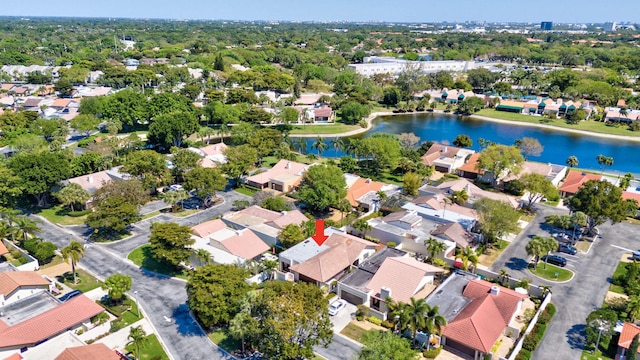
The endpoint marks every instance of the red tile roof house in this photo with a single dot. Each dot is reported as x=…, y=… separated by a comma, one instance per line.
x=69, y=315
x=97, y=351
x=17, y=285
x=265, y=223
x=284, y=176
x=626, y=336
x=478, y=313
x=321, y=265
x=445, y=158
x=218, y=239
x=574, y=180
x=389, y=273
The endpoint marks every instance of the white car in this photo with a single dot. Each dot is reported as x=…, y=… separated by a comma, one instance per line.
x=335, y=308
x=175, y=187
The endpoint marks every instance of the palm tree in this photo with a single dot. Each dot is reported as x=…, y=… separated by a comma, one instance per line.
x=203, y=257
x=301, y=145
x=26, y=227
x=362, y=226
x=73, y=252
x=417, y=310
x=174, y=197
x=535, y=248
x=434, y=247
x=572, y=161
x=398, y=311
x=504, y=277
x=138, y=337
x=241, y=325
x=460, y=197
x=224, y=130
x=434, y=322
x=549, y=244
x=467, y=256
x=320, y=145
x=578, y=219
x=343, y=206
x=337, y=143
x=604, y=161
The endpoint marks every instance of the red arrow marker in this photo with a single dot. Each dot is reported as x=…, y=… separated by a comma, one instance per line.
x=319, y=237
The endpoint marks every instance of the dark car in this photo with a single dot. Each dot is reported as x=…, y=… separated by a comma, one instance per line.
x=555, y=260
x=567, y=249
x=70, y=295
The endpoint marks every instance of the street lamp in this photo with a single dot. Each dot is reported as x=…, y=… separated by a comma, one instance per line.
x=600, y=330
x=135, y=299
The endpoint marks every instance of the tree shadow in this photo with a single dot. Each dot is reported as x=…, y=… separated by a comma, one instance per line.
x=515, y=263
x=576, y=336
x=186, y=324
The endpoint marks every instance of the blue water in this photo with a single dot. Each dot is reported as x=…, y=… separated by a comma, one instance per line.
x=558, y=145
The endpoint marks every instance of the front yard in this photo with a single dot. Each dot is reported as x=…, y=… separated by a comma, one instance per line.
x=142, y=257
x=59, y=214
x=151, y=350
x=84, y=281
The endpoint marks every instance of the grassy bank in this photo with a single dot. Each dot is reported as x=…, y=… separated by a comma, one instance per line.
x=549, y=273
x=335, y=128
x=142, y=257
x=591, y=126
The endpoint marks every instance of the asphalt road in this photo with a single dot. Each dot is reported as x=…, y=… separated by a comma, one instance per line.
x=340, y=348
x=565, y=336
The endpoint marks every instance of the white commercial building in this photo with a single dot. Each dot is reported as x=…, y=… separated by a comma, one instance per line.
x=388, y=65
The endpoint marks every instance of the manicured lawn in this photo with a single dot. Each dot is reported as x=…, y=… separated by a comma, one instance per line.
x=85, y=282
x=151, y=350
x=597, y=356
x=222, y=338
x=490, y=257
x=621, y=270
x=58, y=214
x=151, y=214
x=126, y=311
x=183, y=213
x=550, y=272
x=142, y=257
x=335, y=128
x=593, y=126
x=55, y=261
x=354, y=332
x=246, y=191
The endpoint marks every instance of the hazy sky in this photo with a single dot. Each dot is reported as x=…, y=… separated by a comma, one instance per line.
x=567, y=11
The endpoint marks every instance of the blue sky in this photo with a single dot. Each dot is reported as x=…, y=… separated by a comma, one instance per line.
x=566, y=11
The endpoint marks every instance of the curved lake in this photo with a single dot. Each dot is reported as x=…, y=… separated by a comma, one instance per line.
x=558, y=145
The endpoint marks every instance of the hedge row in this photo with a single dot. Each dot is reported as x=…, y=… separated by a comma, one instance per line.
x=533, y=339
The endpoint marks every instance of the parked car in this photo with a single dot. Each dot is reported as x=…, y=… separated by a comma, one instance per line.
x=567, y=249
x=636, y=255
x=70, y=295
x=175, y=187
x=336, y=306
x=555, y=260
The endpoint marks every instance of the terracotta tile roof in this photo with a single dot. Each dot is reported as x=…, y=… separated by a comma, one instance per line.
x=257, y=211
x=283, y=167
x=575, y=179
x=621, y=103
x=454, y=232
x=480, y=324
x=214, y=149
x=322, y=112
x=475, y=192
x=245, y=244
x=360, y=188
x=92, y=182
x=289, y=217
x=97, y=351
x=61, y=103
x=627, y=334
x=3, y=249
x=626, y=195
x=11, y=281
x=436, y=151
x=50, y=323
x=342, y=252
x=471, y=165
x=207, y=228
x=7, y=87
x=403, y=275
x=14, y=357
x=207, y=163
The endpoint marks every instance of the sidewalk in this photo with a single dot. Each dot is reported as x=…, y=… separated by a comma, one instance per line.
x=119, y=340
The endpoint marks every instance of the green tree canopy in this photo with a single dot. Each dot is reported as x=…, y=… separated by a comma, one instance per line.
x=601, y=201
x=72, y=194
x=171, y=128
x=169, y=243
x=205, y=181
x=239, y=160
x=385, y=345
x=113, y=215
x=39, y=172
x=538, y=187
x=497, y=218
x=322, y=186
x=116, y=285
x=148, y=166
x=500, y=160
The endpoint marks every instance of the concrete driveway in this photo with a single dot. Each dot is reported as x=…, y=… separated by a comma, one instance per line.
x=343, y=318
x=565, y=336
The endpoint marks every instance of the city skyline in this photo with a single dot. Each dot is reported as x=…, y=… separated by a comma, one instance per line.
x=569, y=11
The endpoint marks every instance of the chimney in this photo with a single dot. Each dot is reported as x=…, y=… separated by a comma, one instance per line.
x=385, y=292
x=495, y=290
x=288, y=166
x=367, y=181
x=444, y=149
x=90, y=179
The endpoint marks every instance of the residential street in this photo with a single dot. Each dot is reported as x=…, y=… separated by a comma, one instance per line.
x=565, y=336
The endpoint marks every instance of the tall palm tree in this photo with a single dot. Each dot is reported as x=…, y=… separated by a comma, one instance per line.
x=535, y=248
x=301, y=144
x=434, y=322
x=572, y=161
x=137, y=337
x=320, y=145
x=417, y=310
x=362, y=226
x=73, y=252
x=503, y=277
x=337, y=143
x=460, y=197
x=633, y=307
x=398, y=311
x=203, y=257
x=468, y=256
x=434, y=247
x=241, y=325
x=548, y=244
x=26, y=227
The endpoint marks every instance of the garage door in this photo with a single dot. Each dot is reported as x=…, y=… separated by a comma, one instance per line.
x=459, y=347
x=353, y=299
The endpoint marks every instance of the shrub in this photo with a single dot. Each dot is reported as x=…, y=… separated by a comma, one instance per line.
x=530, y=342
x=241, y=204
x=362, y=311
x=392, y=244
x=432, y=353
x=79, y=213
x=374, y=320
x=551, y=309
x=524, y=354
x=387, y=324
x=544, y=318
x=514, y=187
x=359, y=317
x=16, y=254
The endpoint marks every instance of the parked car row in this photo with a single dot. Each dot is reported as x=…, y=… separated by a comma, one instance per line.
x=555, y=260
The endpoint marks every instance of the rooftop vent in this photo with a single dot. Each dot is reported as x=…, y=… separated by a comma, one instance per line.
x=495, y=290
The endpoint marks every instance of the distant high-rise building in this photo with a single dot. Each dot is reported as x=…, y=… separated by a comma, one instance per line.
x=546, y=25
x=610, y=26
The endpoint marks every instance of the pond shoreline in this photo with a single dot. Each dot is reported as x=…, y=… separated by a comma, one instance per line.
x=369, y=119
